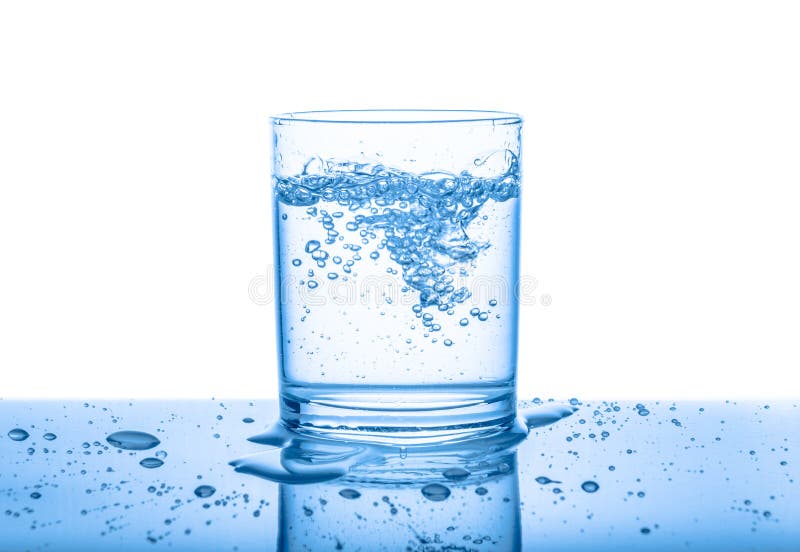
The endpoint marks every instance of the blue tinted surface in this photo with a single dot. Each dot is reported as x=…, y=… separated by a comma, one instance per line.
x=613, y=476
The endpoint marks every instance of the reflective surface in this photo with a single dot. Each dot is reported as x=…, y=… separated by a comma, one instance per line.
x=612, y=476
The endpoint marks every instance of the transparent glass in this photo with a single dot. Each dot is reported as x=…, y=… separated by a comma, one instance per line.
x=396, y=248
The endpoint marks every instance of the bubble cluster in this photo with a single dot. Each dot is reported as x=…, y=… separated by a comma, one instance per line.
x=421, y=222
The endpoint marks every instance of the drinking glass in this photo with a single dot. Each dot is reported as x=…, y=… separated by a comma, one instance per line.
x=397, y=262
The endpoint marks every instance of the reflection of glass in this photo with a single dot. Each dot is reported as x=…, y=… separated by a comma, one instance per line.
x=396, y=243
x=417, y=504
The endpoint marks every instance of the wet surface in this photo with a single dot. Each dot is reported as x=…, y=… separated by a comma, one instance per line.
x=182, y=475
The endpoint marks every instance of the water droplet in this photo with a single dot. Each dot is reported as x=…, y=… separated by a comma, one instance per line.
x=590, y=486
x=349, y=494
x=435, y=492
x=493, y=303
x=161, y=454
x=35, y=495
x=481, y=491
x=18, y=434
x=483, y=317
x=311, y=246
x=640, y=494
x=312, y=284
x=248, y=420
x=332, y=275
x=475, y=311
x=456, y=474
x=611, y=468
x=448, y=342
x=151, y=463
x=463, y=321
x=297, y=262
x=645, y=530
x=131, y=440
x=542, y=480
x=49, y=436
x=204, y=491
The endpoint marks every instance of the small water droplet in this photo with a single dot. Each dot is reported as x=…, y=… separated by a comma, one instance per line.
x=590, y=486
x=311, y=246
x=543, y=480
x=448, y=342
x=151, y=463
x=456, y=474
x=480, y=491
x=435, y=492
x=248, y=420
x=35, y=495
x=645, y=530
x=204, y=491
x=297, y=262
x=349, y=494
x=463, y=321
x=49, y=436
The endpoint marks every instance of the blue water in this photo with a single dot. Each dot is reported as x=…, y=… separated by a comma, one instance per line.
x=684, y=476
x=398, y=293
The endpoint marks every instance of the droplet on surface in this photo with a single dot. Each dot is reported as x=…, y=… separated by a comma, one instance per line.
x=132, y=440
x=204, y=491
x=35, y=495
x=18, y=434
x=350, y=494
x=456, y=474
x=590, y=486
x=248, y=420
x=435, y=492
x=151, y=463
x=49, y=436
x=542, y=480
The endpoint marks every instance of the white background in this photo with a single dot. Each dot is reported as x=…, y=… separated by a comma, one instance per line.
x=661, y=159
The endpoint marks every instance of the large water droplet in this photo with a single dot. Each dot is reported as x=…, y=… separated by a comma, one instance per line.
x=204, y=491
x=435, y=492
x=18, y=434
x=151, y=463
x=350, y=494
x=133, y=440
x=590, y=486
x=456, y=474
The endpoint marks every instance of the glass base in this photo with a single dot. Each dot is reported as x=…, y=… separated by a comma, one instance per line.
x=399, y=415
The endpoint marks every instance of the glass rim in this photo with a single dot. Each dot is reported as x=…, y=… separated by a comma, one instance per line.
x=397, y=116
